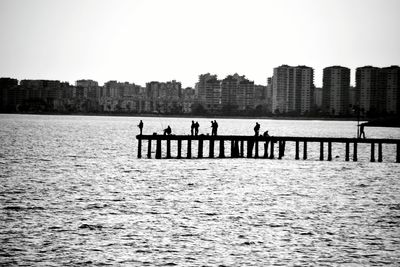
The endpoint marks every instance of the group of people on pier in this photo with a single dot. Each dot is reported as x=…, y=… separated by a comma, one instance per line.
x=194, y=129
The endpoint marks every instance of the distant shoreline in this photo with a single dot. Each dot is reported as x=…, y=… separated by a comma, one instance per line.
x=387, y=122
x=188, y=116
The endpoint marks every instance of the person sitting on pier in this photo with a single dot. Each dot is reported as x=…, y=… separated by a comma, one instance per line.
x=140, y=125
x=362, y=132
x=196, y=128
x=266, y=134
x=257, y=129
x=167, y=131
x=192, y=128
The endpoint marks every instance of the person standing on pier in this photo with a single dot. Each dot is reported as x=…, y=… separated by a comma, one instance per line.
x=256, y=129
x=214, y=126
x=196, y=128
x=192, y=128
x=362, y=132
x=140, y=125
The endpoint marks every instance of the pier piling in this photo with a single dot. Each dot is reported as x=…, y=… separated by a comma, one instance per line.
x=305, y=150
x=168, y=149
x=149, y=149
x=238, y=147
x=250, y=145
x=158, y=149
x=398, y=152
x=256, y=149
x=266, y=149
x=221, y=149
x=329, y=151
x=233, y=149
x=271, y=154
x=139, y=152
x=200, y=149
x=355, y=152
x=189, y=149
x=179, y=149
x=321, y=150
x=211, y=148
x=372, y=152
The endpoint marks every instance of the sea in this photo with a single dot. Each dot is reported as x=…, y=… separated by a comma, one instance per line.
x=74, y=193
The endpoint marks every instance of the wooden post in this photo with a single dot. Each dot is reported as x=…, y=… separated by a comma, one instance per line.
x=372, y=152
x=179, y=149
x=211, y=154
x=329, y=151
x=236, y=148
x=305, y=150
x=139, y=152
x=321, y=151
x=347, y=151
x=189, y=149
x=398, y=153
x=379, y=152
x=221, y=149
x=158, y=149
x=168, y=148
x=280, y=149
x=355, y=151
x=256, y=148
x=149, y=149
x=200, y=149
x=241, y=148
x=266, y=149
x=232, y=148
x=271, y=154
x=283, y=148
x=250, y=144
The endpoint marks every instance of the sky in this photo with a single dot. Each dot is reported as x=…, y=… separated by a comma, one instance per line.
x=162, y=40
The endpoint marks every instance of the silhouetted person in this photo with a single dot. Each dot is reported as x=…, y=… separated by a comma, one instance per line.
x=266, y=134
x=192, y=128
x=196, y=128
x=167, y=131
x=256, y=129
x=362, y=133
x=214, y=126
x=140, y=125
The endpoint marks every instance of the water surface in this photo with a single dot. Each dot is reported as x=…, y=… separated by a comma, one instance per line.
x=73, y=192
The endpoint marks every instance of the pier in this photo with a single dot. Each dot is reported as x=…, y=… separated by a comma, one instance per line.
x=238, y=143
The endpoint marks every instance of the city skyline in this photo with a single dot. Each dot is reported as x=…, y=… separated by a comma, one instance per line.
x=176, y=40
x=290, y=90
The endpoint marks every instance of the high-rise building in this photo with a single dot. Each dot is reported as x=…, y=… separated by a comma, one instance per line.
x=377, y=89
x=208, y=91
x=8, y=87
x=335, y=90
x=367, y=88
x=392, y=86
x=237, y=92
x=318, y=97
x=292, y=89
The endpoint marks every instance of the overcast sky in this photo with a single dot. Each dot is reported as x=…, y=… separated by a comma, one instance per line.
x=141, y=41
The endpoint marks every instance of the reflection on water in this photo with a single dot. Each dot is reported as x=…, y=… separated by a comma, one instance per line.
x=73, y=193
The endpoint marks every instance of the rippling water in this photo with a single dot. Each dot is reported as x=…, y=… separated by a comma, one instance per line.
x=73, y=192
